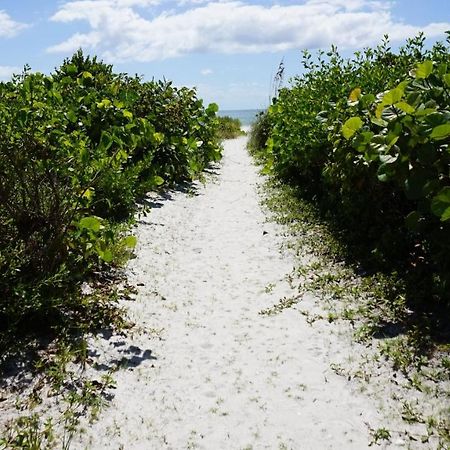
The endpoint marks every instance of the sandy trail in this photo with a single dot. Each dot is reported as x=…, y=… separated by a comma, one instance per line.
x=208, y=371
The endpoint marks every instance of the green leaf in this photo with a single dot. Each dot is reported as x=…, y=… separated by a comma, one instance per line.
x=378, y=121
x=440, y=132
x=447, y=79
x=424, y=69
x=405, y=107
x=386, y=172
x=412, y=220
x=425, y=112
x=106, y=141
x=89, y=194
x=130, y=241
x=446, y=215
x=441, y=203
x=106, y=255
x=71, y=69
x=158, y=138
x=366, y=100
x=71, y=115
x=393, y=96
x=351, y=126
x=90, y=223
x=105, y=103
x=158, y=181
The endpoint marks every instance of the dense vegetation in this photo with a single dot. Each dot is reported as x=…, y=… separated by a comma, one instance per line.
x=77, y=149
x=367, y=139
x=228, y=127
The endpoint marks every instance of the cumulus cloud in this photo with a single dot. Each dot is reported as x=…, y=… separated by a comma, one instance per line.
x=8, y=26
x=7, y=71
x=121, y=32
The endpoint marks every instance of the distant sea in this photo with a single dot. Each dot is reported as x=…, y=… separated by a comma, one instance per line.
x=246, y=116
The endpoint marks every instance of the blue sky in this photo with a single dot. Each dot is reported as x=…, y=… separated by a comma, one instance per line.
x=228, y=49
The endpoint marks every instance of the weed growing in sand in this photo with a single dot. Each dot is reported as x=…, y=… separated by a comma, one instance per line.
x=284, y=303
x=379, y=435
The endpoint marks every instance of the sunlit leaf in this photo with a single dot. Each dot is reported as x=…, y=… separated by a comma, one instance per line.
x=355, y=95
x=351, y=126
x=440, y=132
x=130, y=241
x=424, y=69
x=90, y=223
x=405, y=107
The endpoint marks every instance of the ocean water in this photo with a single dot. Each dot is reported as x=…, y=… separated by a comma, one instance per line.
x=246, y=116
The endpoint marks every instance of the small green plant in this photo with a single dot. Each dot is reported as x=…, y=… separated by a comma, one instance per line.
x=380, y=434
x=29, y=433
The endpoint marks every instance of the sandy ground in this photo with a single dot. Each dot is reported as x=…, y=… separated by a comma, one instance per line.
x=205, y=369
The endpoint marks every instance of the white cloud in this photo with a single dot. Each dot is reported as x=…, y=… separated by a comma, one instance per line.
x=206, y=72
x=120, y=32
x=7, y=71
x=77, y=41
x=8, y=26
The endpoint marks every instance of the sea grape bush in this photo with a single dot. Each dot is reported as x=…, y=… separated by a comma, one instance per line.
x=368, y=138
x=77, y=148
x=405, y=135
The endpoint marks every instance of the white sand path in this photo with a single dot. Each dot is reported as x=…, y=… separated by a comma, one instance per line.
x=208, y=371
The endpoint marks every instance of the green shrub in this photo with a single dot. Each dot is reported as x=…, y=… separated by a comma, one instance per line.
x=259, y=132
x=367, y=138
x=77, y=149
x=228, y=128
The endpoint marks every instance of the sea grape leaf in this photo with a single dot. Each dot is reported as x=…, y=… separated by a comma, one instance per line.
x=440, y=132
x=441, y=203
x=405, y=107
x=130, y=241
x=91, y=223
x=71, y=115
x=106, y=255
x=392, y=96
x=424, y=69
x=412, y=220
x=447, y=79
x=351, y=126
x=446, y=215
x=158, y=180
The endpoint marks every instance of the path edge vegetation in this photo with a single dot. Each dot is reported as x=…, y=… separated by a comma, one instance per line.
x=80, y=148
x=357, y=152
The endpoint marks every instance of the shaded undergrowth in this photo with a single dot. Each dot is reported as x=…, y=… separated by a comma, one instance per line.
x=375, y=305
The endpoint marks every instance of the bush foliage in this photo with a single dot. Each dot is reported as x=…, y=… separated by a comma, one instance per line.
x=228, y=127
x=77, y=148
x=368, y=139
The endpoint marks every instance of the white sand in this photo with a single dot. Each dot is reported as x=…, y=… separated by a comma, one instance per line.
x=224, y=377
